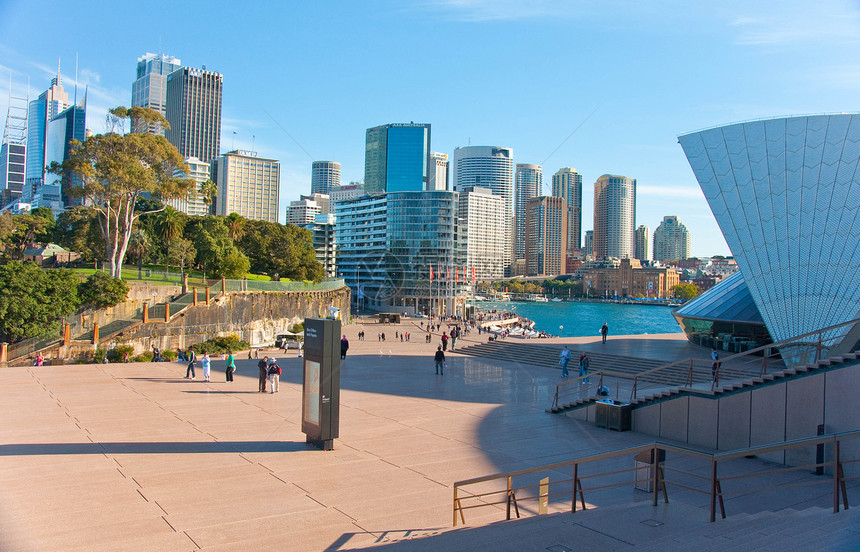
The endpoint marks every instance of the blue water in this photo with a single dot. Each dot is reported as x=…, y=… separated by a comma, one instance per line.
x=585, y=319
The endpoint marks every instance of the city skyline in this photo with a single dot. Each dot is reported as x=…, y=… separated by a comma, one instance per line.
x=606, y=107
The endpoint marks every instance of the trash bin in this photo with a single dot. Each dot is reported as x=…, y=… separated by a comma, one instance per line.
x=612, y=414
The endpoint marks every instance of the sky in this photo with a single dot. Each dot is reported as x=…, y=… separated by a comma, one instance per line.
x=604, y=87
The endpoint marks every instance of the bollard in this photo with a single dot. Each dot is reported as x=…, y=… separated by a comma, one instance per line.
x=194, y=298
x=145, y=313
x=167, y=312
x=95, y=334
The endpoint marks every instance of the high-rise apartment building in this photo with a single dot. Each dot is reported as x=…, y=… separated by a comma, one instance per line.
x=528, y=184
x=150, y=87
x=482, y=214
x=361, y=235
x=48, y=105
x=324, y=242
x=13, y=150
x=345, y=191
x=546, y=236
x=194, y=112
x=305, y=210
x=567, y=183
x=438, y=171
x=195, y=204
x=247, y=185
x=488, y=167
x=397, y=158
x=588, y=243
x=324, y=176
x=671, y=240
x=614, y=216
x=640, y=246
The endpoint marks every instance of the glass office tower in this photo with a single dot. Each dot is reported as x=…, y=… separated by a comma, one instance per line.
x=397, y=158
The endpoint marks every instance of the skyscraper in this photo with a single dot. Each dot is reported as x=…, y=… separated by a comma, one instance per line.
x=567, y=183
x=13, y=150
x=150, y=87
x=489, y=167
x=194, y=112
x=546, y=236
x=247, y=185
x=482, y=213
x=671, y=240
x=438, y=171
x=614, y=216
x=324, y=176
x=41, y=110
x=529, y=181
x=397, y=158
x=588, y=243
x=195, y=204
x=640, y=247
x=70, y=124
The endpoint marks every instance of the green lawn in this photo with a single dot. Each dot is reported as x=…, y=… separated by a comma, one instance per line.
x=154, y=274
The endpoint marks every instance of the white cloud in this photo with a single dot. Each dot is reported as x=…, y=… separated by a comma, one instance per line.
x=796, y=23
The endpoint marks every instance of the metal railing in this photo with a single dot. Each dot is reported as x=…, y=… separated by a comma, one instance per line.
x=505, y=490
x=808, y=348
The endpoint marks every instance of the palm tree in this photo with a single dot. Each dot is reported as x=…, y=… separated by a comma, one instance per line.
x=207, y=192
x=236, y=225
x=138, y=247
x=169, y=224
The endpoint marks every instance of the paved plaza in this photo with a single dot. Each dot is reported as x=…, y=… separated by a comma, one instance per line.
x=135, y=457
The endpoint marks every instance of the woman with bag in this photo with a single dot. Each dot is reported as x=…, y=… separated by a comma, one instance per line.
x=205, y=363
x=231, y=366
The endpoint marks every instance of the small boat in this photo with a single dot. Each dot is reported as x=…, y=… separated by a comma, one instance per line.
x=556, y=300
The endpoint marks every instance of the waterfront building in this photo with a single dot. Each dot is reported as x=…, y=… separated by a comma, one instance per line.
x=40, y=112
x=194, y=204
x=438, y=171
x=640, y=245
x=325, y=175
x=324, y=242
x=528, y=185
x=614, y=216
x=149, y=89
x=361, y=236
x=397, y=158
x=247, y=185
x=482, y=213
x=588, y=243
x=567, y=183
x=546, y=236
x=13, y=150
x=628, y=278
x=784, y=193
x=194, y=112
x=671, y=240
x=490, y=167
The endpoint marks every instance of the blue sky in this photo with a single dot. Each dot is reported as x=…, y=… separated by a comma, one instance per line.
x=483, y=72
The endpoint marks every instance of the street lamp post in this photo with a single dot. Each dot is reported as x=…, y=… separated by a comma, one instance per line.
x=561, y=331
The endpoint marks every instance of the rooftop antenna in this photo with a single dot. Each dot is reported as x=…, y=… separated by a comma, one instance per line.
x=253, y=142
x=233, y=142
x=76, y=78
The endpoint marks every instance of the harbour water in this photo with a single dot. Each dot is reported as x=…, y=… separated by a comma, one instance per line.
x=585, y=319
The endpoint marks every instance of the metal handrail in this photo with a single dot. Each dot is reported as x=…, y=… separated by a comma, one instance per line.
x=768, y=352
x=657, y=449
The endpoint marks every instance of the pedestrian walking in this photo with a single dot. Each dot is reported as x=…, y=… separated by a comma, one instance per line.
x=191, y=359
x=444, y=341
x=274, y=376
x=231, y=366
x=584, y=362
x=455, y=333
x=439, y=358
x=344, y=346
x=563, y=359
x=263, y=367
x=205, y=363
x=604, y=331
x=715, y=365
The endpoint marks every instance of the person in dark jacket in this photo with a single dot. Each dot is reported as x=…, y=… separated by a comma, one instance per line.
x=263, y=366
x=440, y=361
x=344, y=346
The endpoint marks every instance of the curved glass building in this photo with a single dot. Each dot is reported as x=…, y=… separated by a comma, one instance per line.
x=786, y=193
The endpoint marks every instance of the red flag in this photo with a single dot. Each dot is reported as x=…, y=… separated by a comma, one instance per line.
x=447, y=273
x=474, y=274
x=456, y=281
x=431, y=273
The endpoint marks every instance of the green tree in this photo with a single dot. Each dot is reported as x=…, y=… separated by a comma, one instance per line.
x=234, y=265
x=138, y=246
x=77, y=230
x=285, y=250
x=30, y=229
x=236, y=226
x=117, y=169
x=207, y=192
x=102, y=290
x=215, y=249
x=684, y=292
x=33, y=300
x=181, y=253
